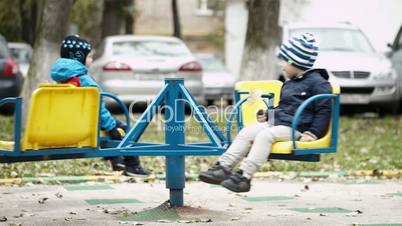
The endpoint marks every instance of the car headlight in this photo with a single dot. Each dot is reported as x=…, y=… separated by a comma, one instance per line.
x=388, y=75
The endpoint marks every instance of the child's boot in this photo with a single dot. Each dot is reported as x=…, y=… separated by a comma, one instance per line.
x=237, y=182
x=215, y=175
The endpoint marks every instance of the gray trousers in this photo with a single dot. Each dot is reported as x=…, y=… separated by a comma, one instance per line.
x=259, y=137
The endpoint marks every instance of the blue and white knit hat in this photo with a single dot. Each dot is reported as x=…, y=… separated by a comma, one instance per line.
x=300, y=51
x=74, y=47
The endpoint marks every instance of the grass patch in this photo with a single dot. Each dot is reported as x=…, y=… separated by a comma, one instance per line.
x=364, y=144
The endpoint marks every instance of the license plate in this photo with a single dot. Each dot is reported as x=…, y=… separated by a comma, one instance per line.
x=148, y=77
x=355, y=99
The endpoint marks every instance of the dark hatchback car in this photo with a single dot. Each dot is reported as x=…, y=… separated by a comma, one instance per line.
x=11, y=79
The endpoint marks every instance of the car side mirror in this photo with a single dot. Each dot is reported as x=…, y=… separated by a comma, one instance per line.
x=389, y=45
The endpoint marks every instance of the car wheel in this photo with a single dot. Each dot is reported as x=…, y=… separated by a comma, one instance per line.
x=392, y=109
x=7, y=109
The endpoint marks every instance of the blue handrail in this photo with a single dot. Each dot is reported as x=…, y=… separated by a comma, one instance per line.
x=300, y=109
x=17, y=120
x=122, y=105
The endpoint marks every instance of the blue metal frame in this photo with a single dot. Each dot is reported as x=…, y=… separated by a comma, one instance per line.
x=122, y=105
x=17, y=123
x=334, y=119
x=175, y=149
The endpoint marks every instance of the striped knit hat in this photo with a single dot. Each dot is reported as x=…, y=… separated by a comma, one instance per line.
x=300, y=51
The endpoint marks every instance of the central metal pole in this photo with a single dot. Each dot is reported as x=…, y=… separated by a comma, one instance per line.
x=174, y=135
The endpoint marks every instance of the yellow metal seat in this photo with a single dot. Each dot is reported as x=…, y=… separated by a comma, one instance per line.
x=249, y=114
x=62, y=116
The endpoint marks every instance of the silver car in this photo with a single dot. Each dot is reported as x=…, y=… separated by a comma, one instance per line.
x=366, y=77
x=22, y=53
x=218, y=81
x=134, y=67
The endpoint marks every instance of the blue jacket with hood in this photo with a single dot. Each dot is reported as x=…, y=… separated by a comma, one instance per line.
x=64, y=69
x=315, y=117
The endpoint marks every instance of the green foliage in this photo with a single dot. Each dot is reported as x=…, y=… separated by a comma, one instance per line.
x=217, y=37
x=10, y=22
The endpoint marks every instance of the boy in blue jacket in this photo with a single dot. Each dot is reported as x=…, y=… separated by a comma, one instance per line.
x=72, y=68
x=297, y=57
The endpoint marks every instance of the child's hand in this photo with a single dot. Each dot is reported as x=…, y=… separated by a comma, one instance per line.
x=261, y=116
x=308, y=136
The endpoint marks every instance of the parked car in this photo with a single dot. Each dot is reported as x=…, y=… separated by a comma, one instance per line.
x=22, y=53
x=11, y=79
x=396, y=55
x=218, y=81
x=134, y=67
x=366, y=77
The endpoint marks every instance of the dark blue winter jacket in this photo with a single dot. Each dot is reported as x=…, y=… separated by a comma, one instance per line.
x=315, y=117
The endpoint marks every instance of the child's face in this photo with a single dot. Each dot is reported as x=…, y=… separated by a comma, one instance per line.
x=289, y=70
x=89, y=60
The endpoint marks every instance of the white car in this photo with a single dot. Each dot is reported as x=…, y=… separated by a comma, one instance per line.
x=218, y=81
x=134, y=67
x=366, y=77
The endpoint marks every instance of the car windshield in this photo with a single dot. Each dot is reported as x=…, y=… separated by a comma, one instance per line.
x=338, y=39
x=150, y=49
x=211, y=64
x=22, y=55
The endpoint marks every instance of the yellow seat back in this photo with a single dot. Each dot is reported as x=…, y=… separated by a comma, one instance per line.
x=267, y=86
x=249, y=116
x=62, y=116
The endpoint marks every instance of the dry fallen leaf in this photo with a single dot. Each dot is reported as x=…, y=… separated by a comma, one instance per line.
x=58, y=195
x=254, y=98
x=42, y=200
x=68, y=219
x=3, y=219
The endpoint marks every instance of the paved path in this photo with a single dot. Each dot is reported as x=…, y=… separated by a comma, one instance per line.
x=269, y=203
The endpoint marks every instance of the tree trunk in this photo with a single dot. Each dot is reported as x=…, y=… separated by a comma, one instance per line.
x=129, y=18
x=95, y=34
x=111, y=22
x=25, y=23
x=28, y=20
x=262, y=38
x=53, y=27
x=176, y=20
